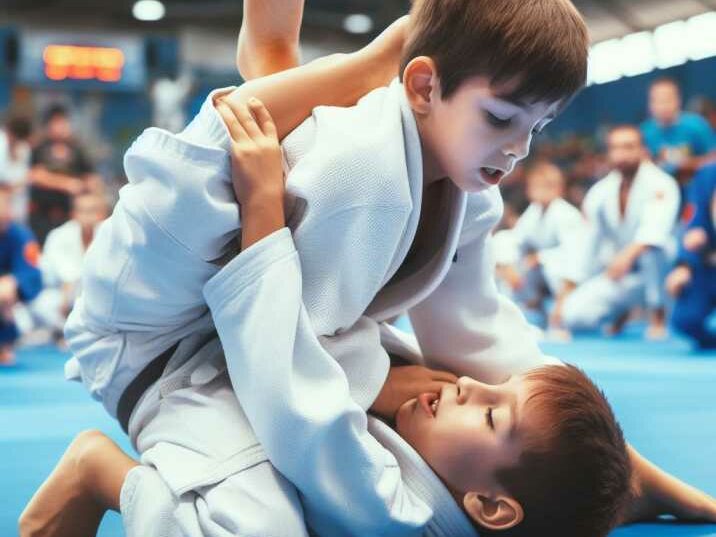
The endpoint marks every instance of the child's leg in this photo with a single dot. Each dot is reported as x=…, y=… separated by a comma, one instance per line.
x=83, y=486
x=268, y=39
x=337, y=80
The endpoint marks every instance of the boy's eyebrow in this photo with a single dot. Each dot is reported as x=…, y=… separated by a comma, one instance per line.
x=519, y=103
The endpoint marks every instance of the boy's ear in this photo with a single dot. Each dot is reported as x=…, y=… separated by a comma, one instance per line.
x=420, y=79
x=494, y=513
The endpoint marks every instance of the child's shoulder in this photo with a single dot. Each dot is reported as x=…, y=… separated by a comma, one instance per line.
x=353, y=155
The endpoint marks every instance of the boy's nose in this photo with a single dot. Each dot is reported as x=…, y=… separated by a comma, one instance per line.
x=469, y=387
x=519, y=148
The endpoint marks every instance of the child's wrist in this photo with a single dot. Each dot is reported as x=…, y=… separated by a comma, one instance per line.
x=264, y=199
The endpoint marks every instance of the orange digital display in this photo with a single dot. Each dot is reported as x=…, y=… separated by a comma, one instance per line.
x=83, y=63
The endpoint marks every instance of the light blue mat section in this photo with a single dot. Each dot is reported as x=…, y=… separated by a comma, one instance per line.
x=664, y=395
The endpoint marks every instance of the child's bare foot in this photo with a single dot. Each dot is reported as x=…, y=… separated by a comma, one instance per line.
x=617, y=327
x=656, y=332
x=657, y=326
x=7, y=355
x=64, y=506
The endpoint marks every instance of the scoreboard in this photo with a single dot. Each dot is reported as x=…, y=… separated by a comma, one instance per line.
x=81, y=60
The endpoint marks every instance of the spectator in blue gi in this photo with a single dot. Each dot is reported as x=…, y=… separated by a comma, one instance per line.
x=693, y=280
x=20, y=277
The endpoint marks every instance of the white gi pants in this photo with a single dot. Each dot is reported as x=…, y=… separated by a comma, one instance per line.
x=202, y=472
x=600, y=298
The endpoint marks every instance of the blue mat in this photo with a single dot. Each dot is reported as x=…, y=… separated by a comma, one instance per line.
x=664, y=395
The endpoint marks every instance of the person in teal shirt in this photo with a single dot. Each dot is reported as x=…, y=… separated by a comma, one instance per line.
x=680, y=142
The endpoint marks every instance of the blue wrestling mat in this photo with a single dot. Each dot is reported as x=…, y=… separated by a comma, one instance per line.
x=664, y=395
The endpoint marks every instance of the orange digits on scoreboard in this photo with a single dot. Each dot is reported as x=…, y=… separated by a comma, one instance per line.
x=83, y=63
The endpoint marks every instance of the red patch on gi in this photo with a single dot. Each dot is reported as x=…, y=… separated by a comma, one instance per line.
x=659, y=195
x=688, y=213
x=32, y=253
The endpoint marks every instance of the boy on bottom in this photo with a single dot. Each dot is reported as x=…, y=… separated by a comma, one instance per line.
x=539, y=454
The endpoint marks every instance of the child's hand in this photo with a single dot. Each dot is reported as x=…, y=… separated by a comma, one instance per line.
x=257, y=168
x=677, y=280
x=695, y=239
x=405, y=383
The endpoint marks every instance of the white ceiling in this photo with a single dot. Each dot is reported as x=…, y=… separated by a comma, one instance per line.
x=615, y=18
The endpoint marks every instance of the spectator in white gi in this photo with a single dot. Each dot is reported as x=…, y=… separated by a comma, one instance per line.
x=630, y=213
x=15, y=154
x=61, y=262
x=546, y=237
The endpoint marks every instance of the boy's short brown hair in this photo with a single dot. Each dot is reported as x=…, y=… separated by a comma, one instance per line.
x=573, y=477
x=541, y=44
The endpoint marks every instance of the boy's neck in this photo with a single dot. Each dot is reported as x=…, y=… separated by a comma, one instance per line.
x=432, y=171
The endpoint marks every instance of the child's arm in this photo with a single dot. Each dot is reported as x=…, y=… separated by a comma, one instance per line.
x=268, y=44
x=297, y=398
x=337, y=80
x=145, y=269
x=256, y=170
x=656, y=492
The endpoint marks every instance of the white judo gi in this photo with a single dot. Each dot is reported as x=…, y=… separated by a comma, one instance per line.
x=649, y=219
x=354, y=188
x=557, y=234
x=61, y=263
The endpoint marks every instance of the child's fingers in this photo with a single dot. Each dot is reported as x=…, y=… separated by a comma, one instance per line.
x=236, y=131
x=247, y=120
x=444, y=376
x=263, y=117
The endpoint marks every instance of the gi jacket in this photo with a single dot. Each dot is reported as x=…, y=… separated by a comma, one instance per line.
x=354, y=189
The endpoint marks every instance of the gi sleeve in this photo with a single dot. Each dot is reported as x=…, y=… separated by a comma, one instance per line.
x=697, y=213
x=297, y=398
x=588, y=253
x=466, y=326
x=24, y=264
x=659, y=214
x=570, y=238
x=144, y=272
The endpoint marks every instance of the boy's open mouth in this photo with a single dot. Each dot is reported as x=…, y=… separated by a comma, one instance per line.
x=429, y=403
x=491, y=176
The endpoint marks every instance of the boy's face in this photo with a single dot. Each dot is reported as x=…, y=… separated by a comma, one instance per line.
x=664, y=102
x=469, y=431
x=88, y=210
x=544, y=186
x=476, y=137
x=625, y=150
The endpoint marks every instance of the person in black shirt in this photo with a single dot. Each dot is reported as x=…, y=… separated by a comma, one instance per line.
x=60, y=169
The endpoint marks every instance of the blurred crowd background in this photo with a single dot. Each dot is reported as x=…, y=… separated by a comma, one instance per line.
x=80, y=80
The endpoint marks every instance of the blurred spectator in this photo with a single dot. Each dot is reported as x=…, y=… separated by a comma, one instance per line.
x=15, y=163
x=693, y=280
x=169, y=100
x=631, y=213
x=20, y=279
x=546, y=238
x=680, y=142
x=59, y=170
x=61, y=263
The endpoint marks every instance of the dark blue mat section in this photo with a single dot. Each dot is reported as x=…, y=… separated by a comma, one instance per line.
x=664, y=394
